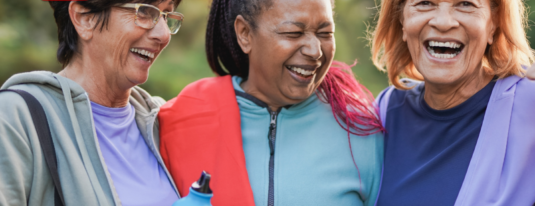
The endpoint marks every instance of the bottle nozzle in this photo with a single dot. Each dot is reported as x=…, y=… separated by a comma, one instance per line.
x=203, y=184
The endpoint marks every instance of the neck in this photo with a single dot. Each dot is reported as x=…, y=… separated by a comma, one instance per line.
x=103, y=88
x=446, y=96
x=249, y=89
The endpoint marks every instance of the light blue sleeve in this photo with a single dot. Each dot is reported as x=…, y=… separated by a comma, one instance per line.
x=374, y=183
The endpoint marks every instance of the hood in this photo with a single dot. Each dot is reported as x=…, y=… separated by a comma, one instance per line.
x=43, y=78
x=139, y=98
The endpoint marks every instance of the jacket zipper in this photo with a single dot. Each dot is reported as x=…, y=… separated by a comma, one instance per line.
x=271, y=137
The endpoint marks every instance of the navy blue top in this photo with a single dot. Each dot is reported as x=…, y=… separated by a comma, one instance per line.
x=427, y=151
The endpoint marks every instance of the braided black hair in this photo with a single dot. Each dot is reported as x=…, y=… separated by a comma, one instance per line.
x=222, y=49
x=67, y=35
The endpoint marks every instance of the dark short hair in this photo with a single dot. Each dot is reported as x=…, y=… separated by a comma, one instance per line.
x=67, y=35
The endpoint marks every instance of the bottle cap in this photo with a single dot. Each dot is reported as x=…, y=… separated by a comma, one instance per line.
x=203, y=184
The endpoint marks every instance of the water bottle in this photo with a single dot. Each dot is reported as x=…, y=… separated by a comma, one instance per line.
x=200, y=193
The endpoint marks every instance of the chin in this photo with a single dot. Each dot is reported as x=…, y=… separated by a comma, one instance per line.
x=298, y=95
x=442, y=79
x=440, y=76
x=138, y=79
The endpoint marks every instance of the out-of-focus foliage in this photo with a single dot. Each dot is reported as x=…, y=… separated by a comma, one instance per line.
x=28, y=41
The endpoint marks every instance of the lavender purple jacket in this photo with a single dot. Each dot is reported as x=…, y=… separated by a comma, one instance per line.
x=502, y=168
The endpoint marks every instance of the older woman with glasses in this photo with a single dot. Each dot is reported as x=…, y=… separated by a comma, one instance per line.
x=104, y=128
x=465, y=134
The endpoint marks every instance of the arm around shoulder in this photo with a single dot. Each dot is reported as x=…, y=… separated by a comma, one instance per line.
x=378, y=157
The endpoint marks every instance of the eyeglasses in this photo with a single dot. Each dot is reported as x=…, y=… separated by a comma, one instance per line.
x=147, y=16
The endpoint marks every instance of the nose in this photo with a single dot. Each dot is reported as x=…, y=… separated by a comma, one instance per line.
x=312, y=47
x=160, y=33
x=444, y=20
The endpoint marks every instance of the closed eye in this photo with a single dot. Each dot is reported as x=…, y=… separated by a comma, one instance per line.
x=325, y=34
x=292, y=34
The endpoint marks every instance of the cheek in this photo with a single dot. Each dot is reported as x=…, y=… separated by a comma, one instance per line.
x=414, y=22
x=284, y=47
x=280, y=51
x=414, y=27
x=122, y=38
x=478, y=32
x=328, y=47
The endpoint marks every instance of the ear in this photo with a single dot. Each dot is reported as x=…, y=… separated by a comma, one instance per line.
x=243, y=34
x=492, y=32
x=404, y=34
x=83, y=23
x=404, y=37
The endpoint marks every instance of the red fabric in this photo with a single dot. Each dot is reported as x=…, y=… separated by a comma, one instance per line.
x=200, y=130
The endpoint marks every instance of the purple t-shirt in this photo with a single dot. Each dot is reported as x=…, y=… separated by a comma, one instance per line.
x=136, y=174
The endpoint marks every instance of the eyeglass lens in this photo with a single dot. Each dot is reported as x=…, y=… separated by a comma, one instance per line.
x=148, y=16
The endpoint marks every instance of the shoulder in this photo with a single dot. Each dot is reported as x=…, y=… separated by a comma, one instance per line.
x=15, y=117
x=206, y=91
x=34, y=77
x=416, y=88
x=11, y=102
x=199, y=108
x=524, y=93
x=208, y=86
x=526, y=89
x=141, y=96
x=392, y=94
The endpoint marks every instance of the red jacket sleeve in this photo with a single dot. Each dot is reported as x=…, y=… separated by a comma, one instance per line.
x=200, y=130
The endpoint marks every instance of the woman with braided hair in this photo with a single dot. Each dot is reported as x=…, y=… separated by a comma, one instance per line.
x=281, y=124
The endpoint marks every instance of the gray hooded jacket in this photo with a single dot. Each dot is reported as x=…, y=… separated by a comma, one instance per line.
x=24, y=176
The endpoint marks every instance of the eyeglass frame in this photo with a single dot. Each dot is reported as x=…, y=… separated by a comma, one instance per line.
x=136, y=7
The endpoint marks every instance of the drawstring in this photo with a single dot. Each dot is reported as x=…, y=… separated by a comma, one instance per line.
x=78, y=133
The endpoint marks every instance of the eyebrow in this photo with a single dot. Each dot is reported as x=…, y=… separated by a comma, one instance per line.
x=298, y=24
x=302, y=25
x=324, y=24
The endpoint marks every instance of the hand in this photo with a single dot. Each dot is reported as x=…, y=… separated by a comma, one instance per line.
x=531, y=72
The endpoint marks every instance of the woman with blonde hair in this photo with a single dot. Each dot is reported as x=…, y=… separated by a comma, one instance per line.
x=464, y=134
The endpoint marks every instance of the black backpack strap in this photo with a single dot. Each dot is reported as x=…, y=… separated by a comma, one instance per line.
x=47, y=145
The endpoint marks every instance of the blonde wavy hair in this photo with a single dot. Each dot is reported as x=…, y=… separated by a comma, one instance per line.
x=505, y=57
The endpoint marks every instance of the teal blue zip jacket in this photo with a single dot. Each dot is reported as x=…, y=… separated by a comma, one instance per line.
x=309, y=160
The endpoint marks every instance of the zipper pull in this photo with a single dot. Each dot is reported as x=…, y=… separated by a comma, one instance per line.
x=273, y=118
x=271, y=134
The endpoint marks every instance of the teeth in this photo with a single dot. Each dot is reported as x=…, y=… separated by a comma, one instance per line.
x=452, y=45
x=442, y=56
x=302, y=71
x=143, y=52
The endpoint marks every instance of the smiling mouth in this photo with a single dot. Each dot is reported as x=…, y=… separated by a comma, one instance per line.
x=143, y=54
x=302, y=71
x=444, y=50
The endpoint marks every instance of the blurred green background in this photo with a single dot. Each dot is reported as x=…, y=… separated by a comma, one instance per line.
x=28, y=41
